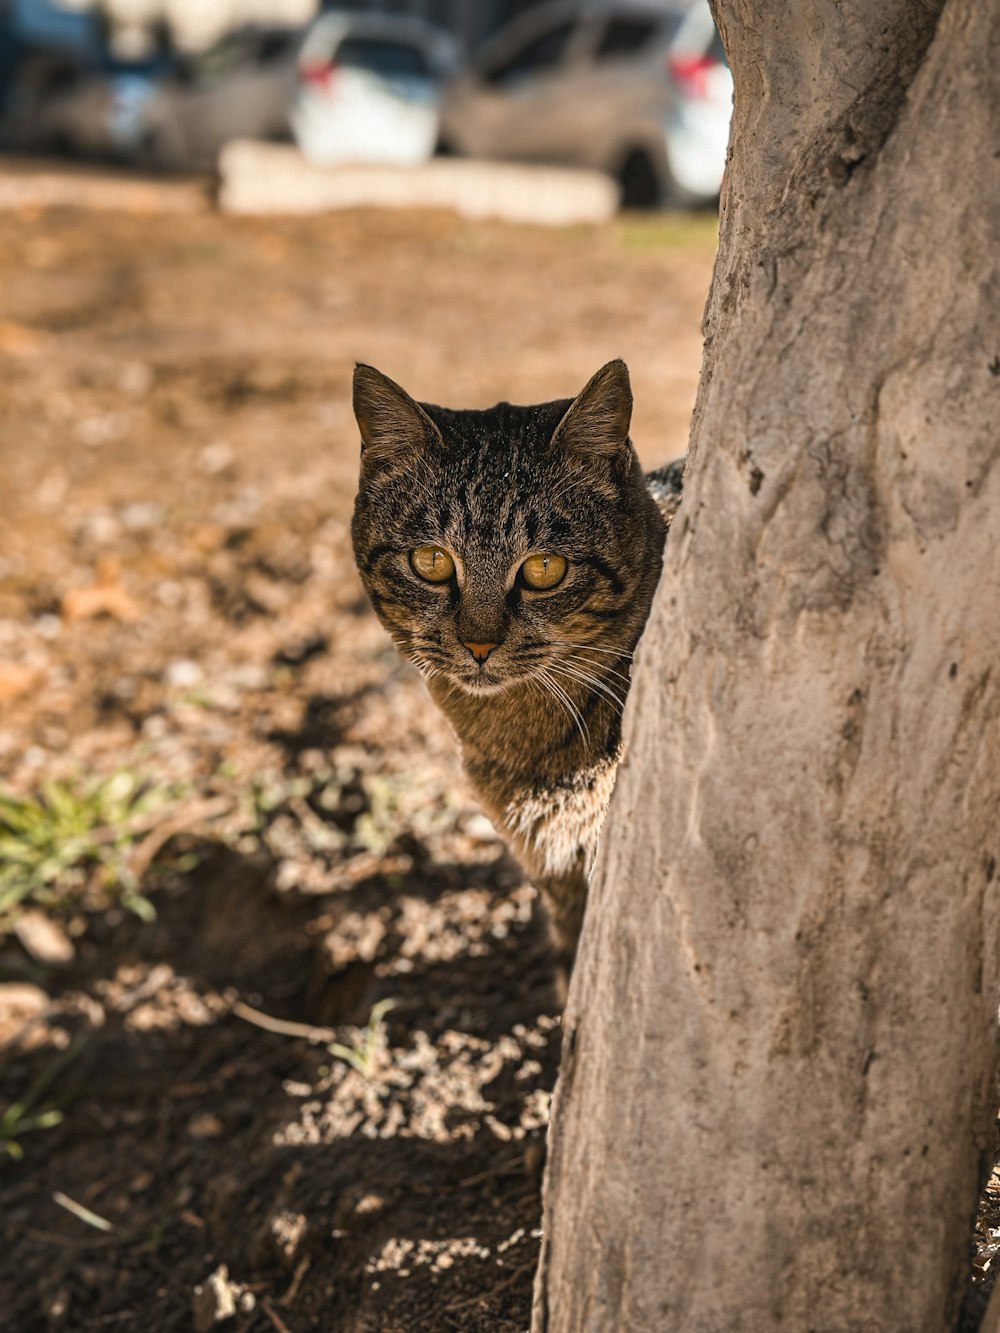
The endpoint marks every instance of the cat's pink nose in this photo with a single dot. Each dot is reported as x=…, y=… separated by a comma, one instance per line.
x=480, y=651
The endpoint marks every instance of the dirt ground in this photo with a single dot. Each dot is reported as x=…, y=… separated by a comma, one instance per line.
x=178, y=605
x=305, y=1084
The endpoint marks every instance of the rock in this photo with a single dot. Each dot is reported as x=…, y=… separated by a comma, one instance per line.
x=20, y=1003
x=205, y=1126
x=105, y=429
x=288, y=1231
x=45, y=939
x=216, y=458
x=479, y=827
x=20, y=999
x=182, y=674
x=142, y=515
x=218, y=1298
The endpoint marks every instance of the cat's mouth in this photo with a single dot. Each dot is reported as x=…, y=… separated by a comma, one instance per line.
x=484, y=680
x=489, y=679
x=481, y=682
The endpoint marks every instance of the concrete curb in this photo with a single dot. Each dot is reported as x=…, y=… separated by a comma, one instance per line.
x=261, y=178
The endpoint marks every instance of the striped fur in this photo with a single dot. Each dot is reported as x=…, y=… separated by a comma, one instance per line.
x=539, y=722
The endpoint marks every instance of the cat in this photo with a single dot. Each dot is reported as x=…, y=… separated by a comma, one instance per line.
x=512, y=554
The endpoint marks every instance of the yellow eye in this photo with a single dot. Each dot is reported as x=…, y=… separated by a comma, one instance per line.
x=544, y=571
x=432, y=563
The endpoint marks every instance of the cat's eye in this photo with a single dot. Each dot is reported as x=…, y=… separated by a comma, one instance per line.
x=544, y=571
x=432, y=563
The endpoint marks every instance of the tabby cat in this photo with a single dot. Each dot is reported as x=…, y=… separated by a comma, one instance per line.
x=512, y=554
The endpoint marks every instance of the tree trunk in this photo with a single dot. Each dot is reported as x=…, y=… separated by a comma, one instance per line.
x=778, y=1082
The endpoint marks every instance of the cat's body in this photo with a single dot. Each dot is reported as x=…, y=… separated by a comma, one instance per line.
x=513, y=554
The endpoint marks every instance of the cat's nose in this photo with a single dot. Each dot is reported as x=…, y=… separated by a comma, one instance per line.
x=480, y=651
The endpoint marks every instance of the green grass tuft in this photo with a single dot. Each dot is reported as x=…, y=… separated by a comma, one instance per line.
x=364, y=1050
x=695, y=230
x=28, y=1115
x=71, y=844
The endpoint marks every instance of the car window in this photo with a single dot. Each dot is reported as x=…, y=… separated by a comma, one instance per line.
x=626, y=36
x=388, y=58
x=543, y=52
x=217, y=62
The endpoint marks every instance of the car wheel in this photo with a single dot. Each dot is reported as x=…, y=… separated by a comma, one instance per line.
x=63, y=144
x=153, y=152
x=640, y=184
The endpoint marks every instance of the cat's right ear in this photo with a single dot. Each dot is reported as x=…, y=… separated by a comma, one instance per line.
x=390, y=422
x=596, y=424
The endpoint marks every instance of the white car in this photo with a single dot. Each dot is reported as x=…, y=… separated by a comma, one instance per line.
x=637, y=89
x=369, y=88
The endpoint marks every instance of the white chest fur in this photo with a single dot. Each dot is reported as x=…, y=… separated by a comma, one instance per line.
x=556, y=826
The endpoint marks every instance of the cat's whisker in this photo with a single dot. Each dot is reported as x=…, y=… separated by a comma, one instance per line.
x=560, y=694
x=545, y=688
x=602, y=667
x=430, y=673
x=575, y=713
x=426, y=668
x=612, y=690
x=594, y=682
x=593, y=648
x=612, y=700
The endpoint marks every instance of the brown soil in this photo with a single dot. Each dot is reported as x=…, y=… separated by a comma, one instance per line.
x=177, y=599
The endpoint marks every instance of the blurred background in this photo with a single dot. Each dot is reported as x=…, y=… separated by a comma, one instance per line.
x=639, y=91
x=277, y=1024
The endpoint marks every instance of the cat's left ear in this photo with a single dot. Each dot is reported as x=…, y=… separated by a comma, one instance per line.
x=390, y=421
x=598, y=419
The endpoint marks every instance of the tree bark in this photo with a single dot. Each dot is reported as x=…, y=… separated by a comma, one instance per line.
x=778, y=1086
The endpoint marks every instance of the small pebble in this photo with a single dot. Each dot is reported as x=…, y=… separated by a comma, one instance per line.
x=43, y=938
x=182, y=674
x=216, y=458
x=205, y=1126
x=142, y=515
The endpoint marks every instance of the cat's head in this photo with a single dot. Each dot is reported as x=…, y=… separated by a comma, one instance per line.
x=506, y=544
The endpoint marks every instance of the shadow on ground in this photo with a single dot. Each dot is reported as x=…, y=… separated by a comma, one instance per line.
x=391, y=1184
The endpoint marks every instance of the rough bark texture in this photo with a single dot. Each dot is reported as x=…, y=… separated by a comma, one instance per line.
x=778, y=1080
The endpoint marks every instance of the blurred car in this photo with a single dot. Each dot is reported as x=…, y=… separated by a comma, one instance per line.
x=40, y=42
x=637, y=90
x=369, y=88
x=77, y=109
x=240, y=88
x=168, y=111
